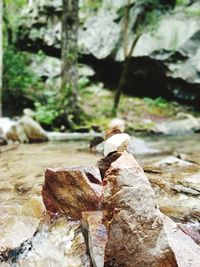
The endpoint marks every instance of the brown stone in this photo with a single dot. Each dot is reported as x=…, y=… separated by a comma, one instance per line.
x=72, y=190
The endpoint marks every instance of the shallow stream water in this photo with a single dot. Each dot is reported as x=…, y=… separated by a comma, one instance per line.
x=22, y=170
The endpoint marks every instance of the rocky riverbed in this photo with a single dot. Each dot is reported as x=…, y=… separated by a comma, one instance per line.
x=172, y=165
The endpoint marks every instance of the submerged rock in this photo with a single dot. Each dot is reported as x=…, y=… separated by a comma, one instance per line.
x=72, y=190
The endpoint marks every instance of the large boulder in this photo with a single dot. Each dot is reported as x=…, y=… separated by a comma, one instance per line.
x=72, y=190
x=137, y=232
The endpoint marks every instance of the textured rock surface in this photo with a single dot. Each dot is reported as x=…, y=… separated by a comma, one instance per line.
x=138, y=233
x=59, y=243
x=176, y=185
x=72, y=190
x=186, y=251
x=96, y=236
x=15, y=228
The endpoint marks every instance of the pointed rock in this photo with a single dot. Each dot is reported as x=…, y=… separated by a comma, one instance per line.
x=137, y=235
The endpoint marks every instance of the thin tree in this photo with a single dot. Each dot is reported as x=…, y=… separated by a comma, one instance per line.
x=69, y=54
x=128, y=52
x=1, y=53
x=144, y=9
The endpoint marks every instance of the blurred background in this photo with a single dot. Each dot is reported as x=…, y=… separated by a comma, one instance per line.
x=78, y=65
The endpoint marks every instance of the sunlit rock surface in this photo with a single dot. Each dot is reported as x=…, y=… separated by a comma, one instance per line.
x=72, y=190
x=15, y=228
x=137, y=233
x=59, y=244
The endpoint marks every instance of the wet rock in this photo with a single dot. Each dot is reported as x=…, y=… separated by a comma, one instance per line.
x=96, y=236
x=186, y=190
x=131, y=211
x=72, y=190
x=116, y=143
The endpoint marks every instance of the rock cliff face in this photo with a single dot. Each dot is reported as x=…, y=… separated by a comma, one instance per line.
x=165, y=60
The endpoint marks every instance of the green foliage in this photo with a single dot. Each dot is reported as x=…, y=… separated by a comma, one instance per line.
x=46, y=113
x=182, y=2
x=158, y=102
x=92, y=5
x=17, y=78
x=83, y=82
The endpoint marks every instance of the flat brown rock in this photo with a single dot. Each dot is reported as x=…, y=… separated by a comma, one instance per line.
x=72, y=190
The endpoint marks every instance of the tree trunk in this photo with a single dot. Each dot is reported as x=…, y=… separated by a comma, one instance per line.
x=1, y=53
x=69, y=84
x=127, y=54
x=124, y=75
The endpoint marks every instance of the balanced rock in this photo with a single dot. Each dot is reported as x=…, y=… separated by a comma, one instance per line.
x=72, y=190
x=136, y=232
x=96, y=236
x=116, y=143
